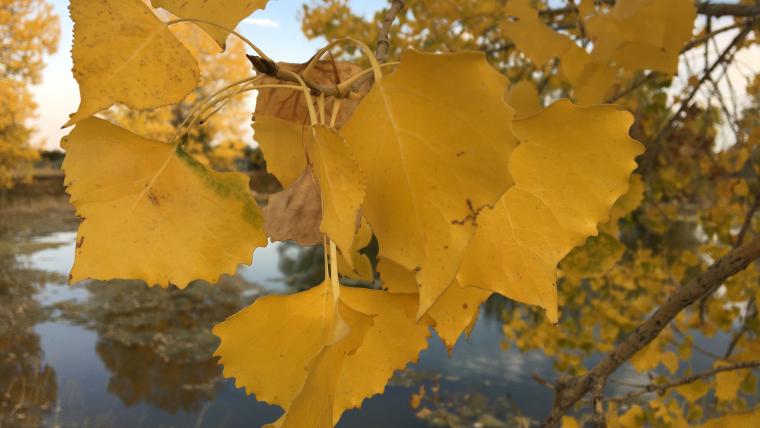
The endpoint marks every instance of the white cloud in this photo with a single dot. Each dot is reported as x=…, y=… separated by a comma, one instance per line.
x=262, y=22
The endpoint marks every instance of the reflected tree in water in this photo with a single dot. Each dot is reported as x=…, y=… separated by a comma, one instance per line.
x=157, y=342
x=28, y=386
x=302, y=267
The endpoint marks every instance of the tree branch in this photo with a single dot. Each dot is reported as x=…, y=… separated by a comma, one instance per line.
x=703, y=8
x=383, y=42
x=570, y=391
x=662, y=388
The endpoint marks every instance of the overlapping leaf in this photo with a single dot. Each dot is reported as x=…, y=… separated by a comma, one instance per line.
x=354, y=264
x=303, y=365
x=571, y=166
x=454, y=311
x=434, y=154
x=225, y=13
x=643, y=34
x=341, y=185
x=123, y=54
x=152, y=212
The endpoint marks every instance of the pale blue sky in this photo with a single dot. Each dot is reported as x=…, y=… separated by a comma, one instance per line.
x=276, y=30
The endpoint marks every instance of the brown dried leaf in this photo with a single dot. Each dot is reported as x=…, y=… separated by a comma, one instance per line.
x=291, y=105
x=295, y=213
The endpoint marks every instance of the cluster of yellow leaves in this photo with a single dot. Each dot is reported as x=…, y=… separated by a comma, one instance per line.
x=459, y=210
x=179, y=220
x=697, y=194
x=634, y=35
x=465, y=200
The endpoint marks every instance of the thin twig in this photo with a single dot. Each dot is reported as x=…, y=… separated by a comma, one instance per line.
x=383, y=41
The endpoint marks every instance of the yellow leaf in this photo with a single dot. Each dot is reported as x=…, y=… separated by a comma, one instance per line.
x=629, y=419
x=693, y=391
x=570, y=422
x=727, y=384
x=571, y=166
x=523, y=97
x=434, y=154
x=318, y=404
x=741, y=188
x=152, y=212
x=594, y=259
x=123, y=54
x=639, y=35
x=453, y=313
x=625, y=205
x=416, y=399
x=226, y=13
x=272, y=362
x=670, y=361
x=539, y=42
x=282, y=143
x=341, y=186
x=736, y=420
x=360, y=266
x=592, y=80
x=303, y=367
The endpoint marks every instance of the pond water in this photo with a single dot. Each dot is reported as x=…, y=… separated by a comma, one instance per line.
x=119, y=354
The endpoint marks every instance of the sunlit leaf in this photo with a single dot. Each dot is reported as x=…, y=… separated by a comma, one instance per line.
x=524, y=98
x=152, y=212
x=453, y=313
x=341, y=185
x=434, y=155
x=571, y=166
x=303, y=366
x=641, y=35
x=123, y=54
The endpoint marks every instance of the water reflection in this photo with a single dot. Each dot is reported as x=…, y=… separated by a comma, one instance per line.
x=125, y=355
x=157, y=343
x=28, y=387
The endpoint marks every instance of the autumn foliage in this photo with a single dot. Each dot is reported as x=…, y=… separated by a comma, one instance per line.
x=477, y=173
